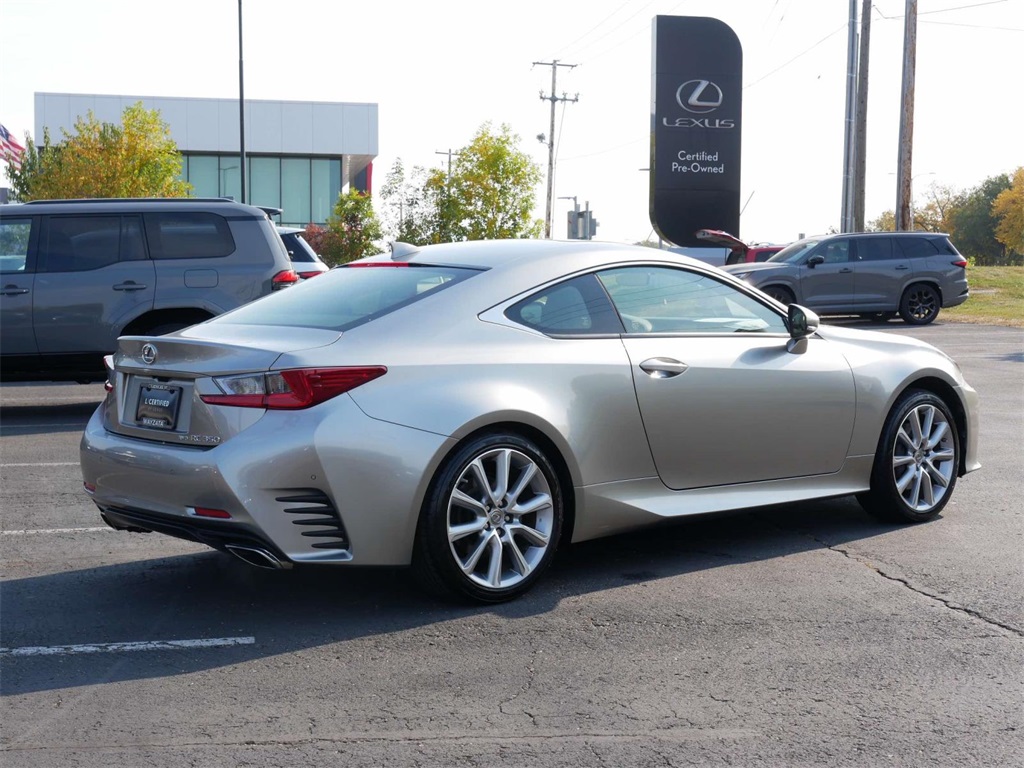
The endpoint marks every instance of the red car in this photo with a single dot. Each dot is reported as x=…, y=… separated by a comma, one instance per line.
x=740, y=252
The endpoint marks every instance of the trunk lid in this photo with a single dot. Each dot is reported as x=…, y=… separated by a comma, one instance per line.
x=157, y=381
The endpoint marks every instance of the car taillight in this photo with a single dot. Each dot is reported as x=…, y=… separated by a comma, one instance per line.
x=290, y=390
x=307, y=275
x=283, y=279
x=108, y=364
x=960, y=263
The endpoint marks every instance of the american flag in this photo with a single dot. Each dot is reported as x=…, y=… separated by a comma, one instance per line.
x=10, y=150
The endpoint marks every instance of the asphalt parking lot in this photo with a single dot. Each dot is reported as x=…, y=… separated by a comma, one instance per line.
x=795, y=636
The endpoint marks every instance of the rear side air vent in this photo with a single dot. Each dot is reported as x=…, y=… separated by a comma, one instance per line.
x=313, y=509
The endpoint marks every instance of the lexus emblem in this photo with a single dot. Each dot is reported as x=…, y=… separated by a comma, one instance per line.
x=149, y=353
x=699, y=96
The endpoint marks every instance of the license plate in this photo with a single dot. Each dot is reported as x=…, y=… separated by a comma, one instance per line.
x=158, y=407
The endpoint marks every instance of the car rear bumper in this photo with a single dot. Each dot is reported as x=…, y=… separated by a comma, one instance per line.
x=322, y=485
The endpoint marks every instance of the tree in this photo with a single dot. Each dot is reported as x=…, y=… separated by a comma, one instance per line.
x=974, y=226
x=135, y=159
x=492, y=189
x=352, y=229
x=1008, y=208
x=886, y=222
x=406, y=209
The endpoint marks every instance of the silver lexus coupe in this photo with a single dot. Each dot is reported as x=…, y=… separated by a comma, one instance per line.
x=465, y=408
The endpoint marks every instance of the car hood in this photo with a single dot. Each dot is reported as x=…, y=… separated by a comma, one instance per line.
x=760, y=266
x=718, y=237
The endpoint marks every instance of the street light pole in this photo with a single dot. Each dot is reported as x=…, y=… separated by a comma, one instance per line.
x=241, y=102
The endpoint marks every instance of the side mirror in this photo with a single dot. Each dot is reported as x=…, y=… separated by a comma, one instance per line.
x=802, y=323
x=815, y=260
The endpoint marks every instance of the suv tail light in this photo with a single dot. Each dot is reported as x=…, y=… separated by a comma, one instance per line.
x=960, y=263
x=283, y=279
x=307, y=275
x=290, y=390
x=108, y=364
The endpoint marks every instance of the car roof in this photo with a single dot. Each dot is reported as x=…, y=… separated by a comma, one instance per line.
x=219, y=205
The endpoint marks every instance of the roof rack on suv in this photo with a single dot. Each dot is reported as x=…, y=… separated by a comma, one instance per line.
x=136, y=200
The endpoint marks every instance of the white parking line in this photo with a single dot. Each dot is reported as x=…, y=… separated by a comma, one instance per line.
x=31, y=531
x=151, y=645
x=43, y=464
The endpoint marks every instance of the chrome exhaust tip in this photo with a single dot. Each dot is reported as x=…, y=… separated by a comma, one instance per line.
x=258, y=557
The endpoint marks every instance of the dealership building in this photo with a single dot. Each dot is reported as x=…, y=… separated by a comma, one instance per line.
x=300, y=155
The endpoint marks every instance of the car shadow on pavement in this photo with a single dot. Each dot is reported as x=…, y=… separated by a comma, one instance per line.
x=211, y=595
x=45, y=419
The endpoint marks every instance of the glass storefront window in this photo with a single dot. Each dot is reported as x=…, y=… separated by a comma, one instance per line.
x=295, y=196
x=230, y=177
x=202, y=175
x=265, y=181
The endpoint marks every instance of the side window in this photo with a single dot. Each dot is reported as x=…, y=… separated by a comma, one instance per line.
x=875, y=249
x=133, y=248
x=834, y=251
x=80, y=243
x=578, y=306
x=188, y=235
x=915, y=247
x=656, y=299
x=15, y=235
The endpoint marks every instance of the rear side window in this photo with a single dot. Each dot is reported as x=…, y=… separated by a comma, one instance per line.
x=14, y=239
x=875, y=249
x=349, y=296
x=298, y=248
x=915, y=247
x=576, y=307
x=188, y=235
x=80, y=243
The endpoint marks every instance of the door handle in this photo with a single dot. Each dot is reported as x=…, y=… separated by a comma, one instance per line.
x=13, y=290
x=902, y=266
x=129, y=285
x=662, y=367
x=844, y=270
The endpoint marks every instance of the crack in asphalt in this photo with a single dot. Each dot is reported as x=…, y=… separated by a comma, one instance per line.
x=963, y=610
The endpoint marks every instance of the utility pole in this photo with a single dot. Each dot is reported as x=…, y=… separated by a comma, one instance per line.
x=860, y=145
x=241, y=102
x=551, y=135
x=849, y=150
x=904, y=179
x=448, y=152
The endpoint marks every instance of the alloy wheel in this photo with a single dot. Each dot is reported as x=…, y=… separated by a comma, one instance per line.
x=500, y=518
x=924, y=458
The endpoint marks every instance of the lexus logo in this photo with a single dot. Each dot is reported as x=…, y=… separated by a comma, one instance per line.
x=149, y=353
x=699, y=96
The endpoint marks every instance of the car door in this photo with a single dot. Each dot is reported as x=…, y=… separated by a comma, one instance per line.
x=827, y=283
x=17, y=280
x=94, y=277
x=722, y=400
x=882, y=273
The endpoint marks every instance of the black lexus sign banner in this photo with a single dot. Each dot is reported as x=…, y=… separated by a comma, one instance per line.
x=696, y=114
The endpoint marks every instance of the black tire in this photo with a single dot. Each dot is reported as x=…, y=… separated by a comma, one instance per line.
x=780, y=294
x=920, y=304
x=501, y=552
x=914, y=473
x=877, y=317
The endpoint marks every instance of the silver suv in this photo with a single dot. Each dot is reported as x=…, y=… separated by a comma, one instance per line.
x=874, y=275
x=76, y=274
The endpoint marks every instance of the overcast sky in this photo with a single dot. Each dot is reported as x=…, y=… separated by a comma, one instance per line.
x=440, y=69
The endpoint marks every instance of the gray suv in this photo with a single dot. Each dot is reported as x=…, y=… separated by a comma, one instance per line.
x=76, y=274
x=874, y=275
